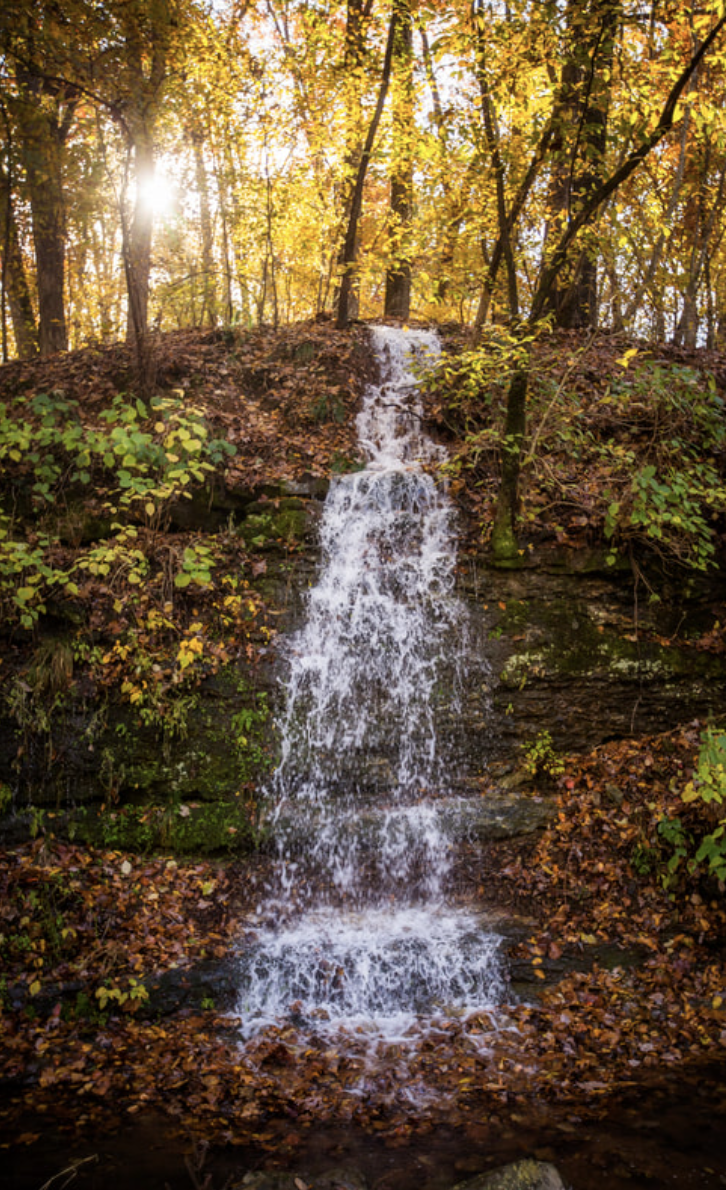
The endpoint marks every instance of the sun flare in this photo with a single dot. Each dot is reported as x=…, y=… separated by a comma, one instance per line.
x=159, y=194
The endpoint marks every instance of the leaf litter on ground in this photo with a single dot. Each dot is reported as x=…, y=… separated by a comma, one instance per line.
x=580, y=1038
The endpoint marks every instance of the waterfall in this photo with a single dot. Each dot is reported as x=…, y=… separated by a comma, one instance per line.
x=355, y=928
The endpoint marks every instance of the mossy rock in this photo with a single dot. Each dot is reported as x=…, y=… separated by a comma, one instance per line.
x=520, y=1175
x=184, y=828
x=270, y=527
x=223, y=742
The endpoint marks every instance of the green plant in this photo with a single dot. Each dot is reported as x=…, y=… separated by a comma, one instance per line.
x=258, y=528
x=34, y=710
x=196, y=566
x=669, y=501
x=129, y=999
x=540, y=758
x=248, y=727
x=187, y=828
x=669, y=509
x=342, y=464
x=6, y=799
x=708, y=787
x=119, y=558
x=83, y=1010
x=643, y=859
x=26, y=575
x=694, y=846
x=678, y=840
x=461, y=386
x=152, y=467
x=708, y=783
x=328, y=407
x=141, y=460
x=131, y=828
x=37, y=822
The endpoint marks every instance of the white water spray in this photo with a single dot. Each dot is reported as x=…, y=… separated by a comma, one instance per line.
x=356, y=927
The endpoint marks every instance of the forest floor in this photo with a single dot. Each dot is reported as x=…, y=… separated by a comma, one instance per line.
x=562, y=1071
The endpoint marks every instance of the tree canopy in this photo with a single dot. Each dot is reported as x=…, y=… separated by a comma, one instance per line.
x=181, y=164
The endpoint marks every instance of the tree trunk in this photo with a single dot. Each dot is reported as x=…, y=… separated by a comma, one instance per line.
x=705, y=224
x=14, y=282
x=662, y=244
x=42, y=141
x=491, y=137
x=512, y=216
x=504, y=540
x=358, y=12
x=580, y=144
x=455, y=197
x=351, y=235
x=397, y=302
x=209, y=304
x=138, y=269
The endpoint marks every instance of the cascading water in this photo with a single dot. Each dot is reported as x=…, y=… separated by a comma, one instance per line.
x=355, y=931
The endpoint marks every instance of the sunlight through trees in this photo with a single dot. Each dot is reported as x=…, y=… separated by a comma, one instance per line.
x=166, y=163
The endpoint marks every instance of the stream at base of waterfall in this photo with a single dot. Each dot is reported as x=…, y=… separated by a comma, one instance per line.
x=355, y=934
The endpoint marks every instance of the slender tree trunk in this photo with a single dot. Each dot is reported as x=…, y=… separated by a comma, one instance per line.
x=661, y=245
x=615, y=297
x=15, y=291
x=209, y=305
x=455, y=196
x=140, y=236
x=504, y=541
x=270, y=263
x=515, y=211
x=687, y=331
x=491, y=136
x=42, y=145
x=585, y=98
x=351, y=235
x=146, y=48
x=358, y=12
x=223, y=192
x=397, y=303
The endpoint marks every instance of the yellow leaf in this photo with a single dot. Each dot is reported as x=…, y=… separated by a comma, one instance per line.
x=625, y=359
x=34, y=987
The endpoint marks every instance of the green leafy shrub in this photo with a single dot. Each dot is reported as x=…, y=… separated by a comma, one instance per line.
x=674, y=418
x=670, y=510
x=708, y=787
x=678, y=843
x=709, y=780
x=540, y=758
x=693, y=848
x=140, y=459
